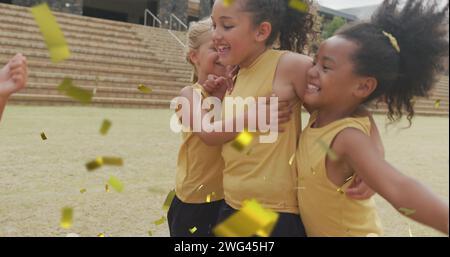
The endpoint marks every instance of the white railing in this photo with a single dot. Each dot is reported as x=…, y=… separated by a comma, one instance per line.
x=178, y=22
x=155, y=19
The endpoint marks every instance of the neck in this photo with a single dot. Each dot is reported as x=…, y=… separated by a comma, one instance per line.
x=252, y=57
x=202, y=77
x=330, y=115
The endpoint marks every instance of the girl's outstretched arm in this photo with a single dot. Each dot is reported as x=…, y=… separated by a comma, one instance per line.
x=13, y=77
x=407, y=195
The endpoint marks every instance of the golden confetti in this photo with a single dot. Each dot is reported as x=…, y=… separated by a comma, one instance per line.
x=43, y=136
x=116, y=184
x=83, y=190
x=291, y=160
x=169, y=200
x=437, y=104
x=53, y=36
x=228, y=3
x=406, y=211
x=410, y=231
x=95, y=164
x=160, y=221
x=193, y=230
x=242, y=141
x=100, y=161
x=107, y=188
x=101, y=235
x=106, y=125
x=83, y=96
x=66, y=218
x=299, y=5
x=340, y=191
x=330, y=152
x=251, y=220
x=200, y=187
x=144, y=89
x=112, y=161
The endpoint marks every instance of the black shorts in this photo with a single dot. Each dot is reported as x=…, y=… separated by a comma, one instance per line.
x=288, y=224
x=182, y=217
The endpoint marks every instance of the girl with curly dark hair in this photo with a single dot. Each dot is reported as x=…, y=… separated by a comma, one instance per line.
x=394, y=57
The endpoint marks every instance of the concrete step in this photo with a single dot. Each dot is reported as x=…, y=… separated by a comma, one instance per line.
x=57, y=100
x=117, y=82
x=102, y=92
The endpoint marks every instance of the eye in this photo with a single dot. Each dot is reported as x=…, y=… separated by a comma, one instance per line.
x=227, y=27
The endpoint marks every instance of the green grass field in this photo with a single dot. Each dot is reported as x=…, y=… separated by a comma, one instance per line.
x=38, y=178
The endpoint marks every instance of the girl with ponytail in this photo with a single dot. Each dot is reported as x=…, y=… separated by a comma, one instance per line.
x=392, y=58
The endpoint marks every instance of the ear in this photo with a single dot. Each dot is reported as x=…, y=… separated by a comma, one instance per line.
x=263, y=32
x=366, y=87
x=193, y=56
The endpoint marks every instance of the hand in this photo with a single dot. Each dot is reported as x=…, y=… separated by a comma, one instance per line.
x=13, y=76
x=359, y=190
x=217, y=86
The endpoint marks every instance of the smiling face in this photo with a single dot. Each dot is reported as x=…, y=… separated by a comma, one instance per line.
x=206, y=59
x=332, y=82
x=234, y=34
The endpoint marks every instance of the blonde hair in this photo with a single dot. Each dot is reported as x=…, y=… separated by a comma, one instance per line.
x=195, y=38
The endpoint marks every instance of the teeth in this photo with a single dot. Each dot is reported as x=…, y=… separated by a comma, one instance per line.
x=313, y=88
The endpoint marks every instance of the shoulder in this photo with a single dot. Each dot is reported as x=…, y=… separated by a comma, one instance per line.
x=294, y=62
x=351, y=138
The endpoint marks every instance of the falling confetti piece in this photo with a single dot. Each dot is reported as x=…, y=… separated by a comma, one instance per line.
x=340, y=191
x=251, y=220
x=116, y=184
x=193, y=230
x=53, y=36
x=144, y=89
x=406, y=211
x=331, y=154
x=299, y=5
x=83, y=190
x=291, y=160
x=437, y=104
x=150, y=233
x=107, y=188
x=43, y=136
x=200, y=187
x=66, y=218
x=228, y=3
x=160, y=221
x=410, y=231
x=242, y=141
x=67, y=87
x=112, y=161
x=169, y=200
x=95, y=164
x=106, y=125
x=101, y=235
x=100, y=161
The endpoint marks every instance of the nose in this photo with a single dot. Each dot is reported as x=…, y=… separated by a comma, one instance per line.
x=216, y=36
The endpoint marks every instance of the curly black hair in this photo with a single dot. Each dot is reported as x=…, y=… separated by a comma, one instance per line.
x=421, y=33
x=291, y=26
